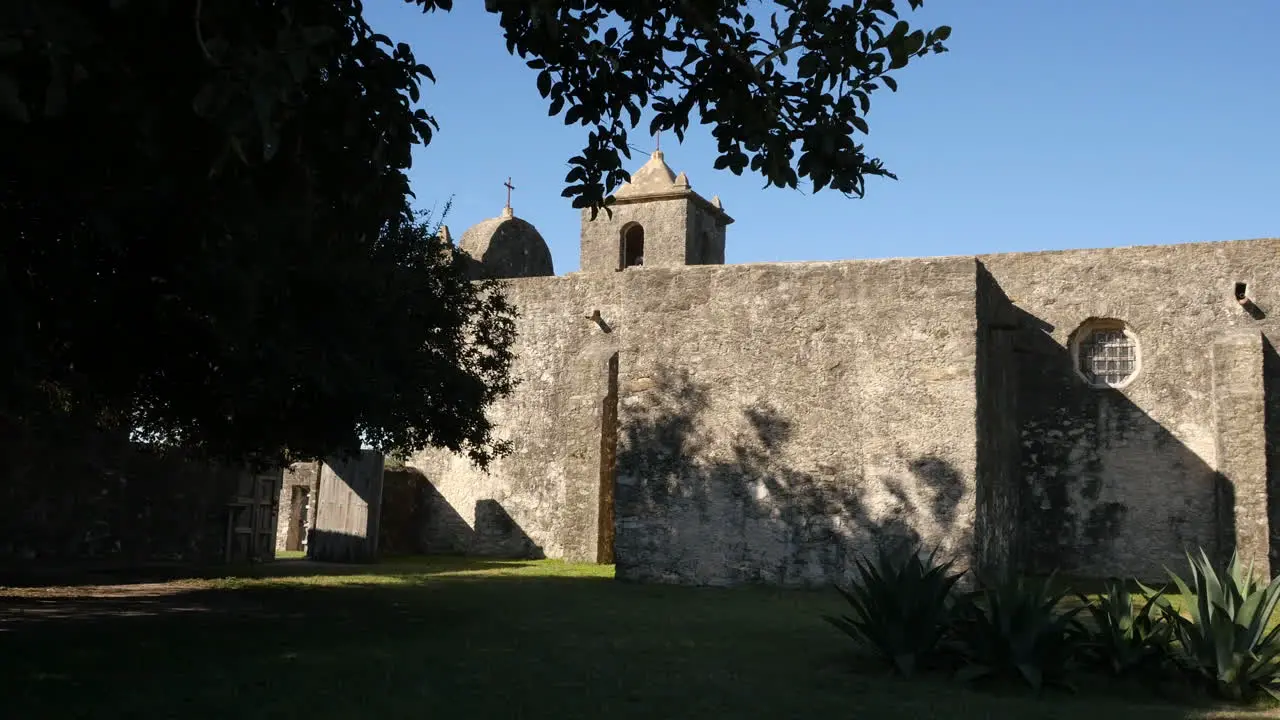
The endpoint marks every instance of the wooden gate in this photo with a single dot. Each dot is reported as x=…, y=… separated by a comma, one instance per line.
x=252, y=516
x=348, y=509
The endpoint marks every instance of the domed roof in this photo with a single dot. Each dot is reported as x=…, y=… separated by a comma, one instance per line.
x=506, y=247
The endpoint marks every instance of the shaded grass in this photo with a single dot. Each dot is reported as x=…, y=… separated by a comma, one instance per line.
x=450, y=637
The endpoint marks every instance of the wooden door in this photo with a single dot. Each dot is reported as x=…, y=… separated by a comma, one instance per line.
x=252, y=515
x=348, y=509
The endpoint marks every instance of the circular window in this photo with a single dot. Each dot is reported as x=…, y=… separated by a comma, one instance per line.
x=1106, y=354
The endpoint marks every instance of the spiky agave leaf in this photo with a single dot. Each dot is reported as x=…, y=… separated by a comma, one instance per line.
x=901, y=607
x=1126, y=640
x=1018, y=629
x=1224, y=637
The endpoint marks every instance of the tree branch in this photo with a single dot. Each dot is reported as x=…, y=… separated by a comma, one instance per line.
x=776, y=53
x=200, y=33
x=713, y=39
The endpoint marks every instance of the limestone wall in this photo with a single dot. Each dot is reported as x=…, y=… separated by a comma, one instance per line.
x=296, y=515
x=772, y=419
x=1271, y=380
x=1119, y=481
x=762, y=423
x=775, y=419
x=543, y=498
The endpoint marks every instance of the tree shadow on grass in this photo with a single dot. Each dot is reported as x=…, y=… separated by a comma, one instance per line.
x=470, y=646
x=296, y=567
x=305, y=588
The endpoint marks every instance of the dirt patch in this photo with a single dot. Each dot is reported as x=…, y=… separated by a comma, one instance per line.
x=133, y=590
x=24, y=605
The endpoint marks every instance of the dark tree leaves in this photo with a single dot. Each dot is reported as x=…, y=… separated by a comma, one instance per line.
x=204, y=204
x=786, y=100
x=207, y=238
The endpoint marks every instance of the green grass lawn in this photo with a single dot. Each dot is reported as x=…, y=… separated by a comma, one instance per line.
x=448, y=638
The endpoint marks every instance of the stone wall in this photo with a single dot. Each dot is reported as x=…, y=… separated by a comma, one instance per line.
x=678, y=231
x=543, y=499
x=705, y=235
x=776, y=419
x=666, y=227
x=1120, y=481
x=772, y=420
x=763, y=423
x=1271, y=379
x=292, y=530
x=1239, y=414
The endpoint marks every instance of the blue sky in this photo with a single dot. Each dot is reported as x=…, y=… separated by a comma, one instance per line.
x=1051, y=124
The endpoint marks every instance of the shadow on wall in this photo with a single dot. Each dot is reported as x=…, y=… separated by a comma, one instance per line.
x=689, y=514
x=338, y=547
x=402, y=511
x=1107, y=490
x=998, y=533
x=438, y=528
x=1271, y=378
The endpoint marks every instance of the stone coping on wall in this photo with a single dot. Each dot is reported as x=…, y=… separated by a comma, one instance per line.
x=1169, y=248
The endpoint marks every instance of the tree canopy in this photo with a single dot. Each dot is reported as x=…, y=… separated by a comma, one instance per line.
x=206, y=213
x=786, y=91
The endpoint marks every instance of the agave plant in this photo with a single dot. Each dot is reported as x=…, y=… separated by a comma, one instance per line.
x=1016, y=628
x=1224, y=637
x=1126, y=640
x=902, y=607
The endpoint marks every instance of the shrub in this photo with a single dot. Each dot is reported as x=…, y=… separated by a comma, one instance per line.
x=1014, y=628
x=902, y=608
x=1125, y=640
x=1224, y=637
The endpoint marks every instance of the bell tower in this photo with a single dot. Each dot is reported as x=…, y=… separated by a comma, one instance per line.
x=658, y=221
